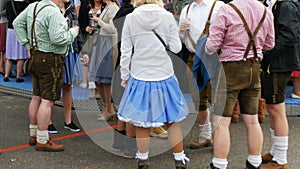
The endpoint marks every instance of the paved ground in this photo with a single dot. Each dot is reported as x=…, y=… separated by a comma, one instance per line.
x=82, y=150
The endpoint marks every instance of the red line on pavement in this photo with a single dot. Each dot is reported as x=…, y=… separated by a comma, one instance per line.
x=60, y=138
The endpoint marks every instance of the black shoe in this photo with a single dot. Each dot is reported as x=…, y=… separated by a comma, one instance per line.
x=6, y=79
x=212, y=166
x=72, y=127
x=250, y=166
x=130, y=147
x=119, y=140
x=180, y=165
x=19, y=80
x=143, y=164
x=52, y=129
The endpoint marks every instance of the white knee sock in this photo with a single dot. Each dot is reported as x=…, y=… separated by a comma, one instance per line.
x=272, y=137
x=142, y=156
x=205, y=130
x=42, y=136
x=181, y=157
x=280, y=149
x=220, y=163
x=255, y=160
x=32, y=130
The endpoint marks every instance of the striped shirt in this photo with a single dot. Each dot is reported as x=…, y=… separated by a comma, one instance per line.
x=229, y=34
x=51, y=28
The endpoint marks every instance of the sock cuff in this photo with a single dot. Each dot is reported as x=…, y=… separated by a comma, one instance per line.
x=205, y=125
x=142, y=156
x=281, y=141
x=220, y=162
x=33, y=126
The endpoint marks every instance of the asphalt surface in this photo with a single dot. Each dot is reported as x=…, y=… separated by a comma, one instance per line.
x=91, y=149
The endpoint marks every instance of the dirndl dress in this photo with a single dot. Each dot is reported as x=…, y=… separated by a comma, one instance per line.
x=14, y=50
x=152, y=103
x=101, y=65
x=72, y=69
x=2, y=37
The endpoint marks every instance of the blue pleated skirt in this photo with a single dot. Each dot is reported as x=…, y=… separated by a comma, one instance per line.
x=72, y=70
x=152, y=103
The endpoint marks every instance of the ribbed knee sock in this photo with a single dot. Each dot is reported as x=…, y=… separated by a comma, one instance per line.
x=280, y=149
x=32, y=130
x=42, y=136
x=205, y=130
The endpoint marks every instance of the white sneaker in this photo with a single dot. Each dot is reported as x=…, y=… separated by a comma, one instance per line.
x=294, y=96
x=83, y=85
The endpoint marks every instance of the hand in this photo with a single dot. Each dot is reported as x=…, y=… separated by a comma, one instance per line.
x=76, y=28
x=124, y=83
x=89, y=29
x=185, y=25
x=85, y=59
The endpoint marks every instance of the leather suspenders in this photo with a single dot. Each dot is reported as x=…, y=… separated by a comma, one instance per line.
x=250, y=34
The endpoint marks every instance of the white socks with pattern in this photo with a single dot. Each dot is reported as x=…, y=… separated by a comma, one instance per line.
x=280, y=149
x=42, y=136
x=32, y=130
x=205, y=130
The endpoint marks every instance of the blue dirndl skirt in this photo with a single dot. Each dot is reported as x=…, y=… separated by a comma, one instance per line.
x=72, y=69
x=152, y=103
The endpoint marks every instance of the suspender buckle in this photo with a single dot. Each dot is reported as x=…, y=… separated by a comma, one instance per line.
x=244, y=59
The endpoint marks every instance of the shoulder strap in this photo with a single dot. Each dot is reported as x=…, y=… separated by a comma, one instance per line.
x=251, y=35
x=13, y=7
x=207, y=25
x=161, y=40
x=206, y=28
x=33, y=36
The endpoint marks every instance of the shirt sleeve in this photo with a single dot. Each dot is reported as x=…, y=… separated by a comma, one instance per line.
x=217, y=32
x=58, y=30
x=20, y=27
x=174, y=41
x=126, y=50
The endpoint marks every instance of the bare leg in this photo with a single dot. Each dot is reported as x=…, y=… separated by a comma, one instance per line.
x=254, y=133
x=44, y=114
x=20, y=64
x=221, y=136
x=175, y=137
x=8, y=67
x=67, y=102
x=296, y=86
x=33, y=109
x=143, y=139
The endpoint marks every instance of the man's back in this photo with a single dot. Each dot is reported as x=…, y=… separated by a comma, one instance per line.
x=230, y=26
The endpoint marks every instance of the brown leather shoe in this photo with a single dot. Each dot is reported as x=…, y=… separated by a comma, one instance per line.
x=143, y=164
x=261, y=110
x=274, y=165
x=267, y=158
x=49, y=146
x=196, y=144
x=236, y=111
x=32, y=140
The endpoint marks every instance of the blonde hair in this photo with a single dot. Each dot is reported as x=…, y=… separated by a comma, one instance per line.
x=138, y=3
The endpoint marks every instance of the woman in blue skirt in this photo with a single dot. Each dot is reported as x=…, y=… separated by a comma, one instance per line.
x=72, y=69
x=152, y=97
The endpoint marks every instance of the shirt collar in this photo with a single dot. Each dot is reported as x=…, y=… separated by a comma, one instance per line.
x=203, y=2
x=52, y=3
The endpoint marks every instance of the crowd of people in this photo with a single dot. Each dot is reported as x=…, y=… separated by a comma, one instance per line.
x=85, y=41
